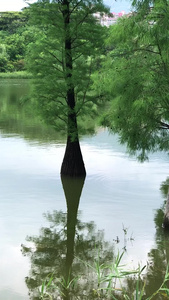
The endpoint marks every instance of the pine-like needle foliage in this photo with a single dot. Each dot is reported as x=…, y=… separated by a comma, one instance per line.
x=67, y=42
x=135, y=76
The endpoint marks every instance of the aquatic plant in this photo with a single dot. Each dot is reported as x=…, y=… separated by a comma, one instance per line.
x=109, y=283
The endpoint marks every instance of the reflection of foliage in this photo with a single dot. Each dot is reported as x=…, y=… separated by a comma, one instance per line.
x=48, y=251
x=159, y=216
x=159, y=255
x=19, y=115
x=164, y=187
x=157, y=263
x=81, y=265
x=158, y=260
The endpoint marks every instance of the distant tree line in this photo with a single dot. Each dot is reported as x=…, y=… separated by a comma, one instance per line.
x=15, y=35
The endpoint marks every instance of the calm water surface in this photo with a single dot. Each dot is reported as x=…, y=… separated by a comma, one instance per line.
x=118, y=191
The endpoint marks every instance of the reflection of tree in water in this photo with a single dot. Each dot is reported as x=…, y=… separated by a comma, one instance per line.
x=159, y=255
x=65, y=246
x=68, y=246
x=158, y=259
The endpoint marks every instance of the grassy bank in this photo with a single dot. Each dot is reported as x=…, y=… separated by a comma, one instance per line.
x=16, y=75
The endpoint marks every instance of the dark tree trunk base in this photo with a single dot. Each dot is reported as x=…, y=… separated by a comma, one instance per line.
x=73, y=164
x=166, y=214
x=166, y=222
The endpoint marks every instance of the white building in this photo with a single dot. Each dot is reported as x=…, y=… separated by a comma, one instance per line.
x=107, y=20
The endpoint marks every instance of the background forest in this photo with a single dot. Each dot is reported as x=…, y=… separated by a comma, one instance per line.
x=14, y=38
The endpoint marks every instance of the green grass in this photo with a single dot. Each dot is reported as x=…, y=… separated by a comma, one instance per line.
x=106, y=283
x=16, y=75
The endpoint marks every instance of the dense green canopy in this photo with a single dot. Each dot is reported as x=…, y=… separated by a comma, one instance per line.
x=47, y=57
x=135, y=77
x=14, y=38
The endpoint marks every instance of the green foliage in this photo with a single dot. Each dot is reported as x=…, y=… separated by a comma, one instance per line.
x=135, y=77
x=3, y=58
x=108, y=274
x=12, y=21
x=58, y=70
x=18, y=115
x=15, y=36
x=15, y=46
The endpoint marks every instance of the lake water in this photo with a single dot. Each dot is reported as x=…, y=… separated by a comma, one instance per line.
x=118, y=193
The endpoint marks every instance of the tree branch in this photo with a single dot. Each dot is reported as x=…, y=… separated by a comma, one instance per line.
x=135, y=50
x=85, y=92
x=75, y=7
x=77, y=57
x=61, y=62
x=164, y=125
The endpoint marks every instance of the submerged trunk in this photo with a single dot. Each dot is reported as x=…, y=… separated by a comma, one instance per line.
x=166, y=214
x=72, y=164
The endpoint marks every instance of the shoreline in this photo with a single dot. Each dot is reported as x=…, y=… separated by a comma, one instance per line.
x=16, y=75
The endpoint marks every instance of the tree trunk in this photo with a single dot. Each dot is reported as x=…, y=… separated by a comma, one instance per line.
x=72, y=164
x=166, y=214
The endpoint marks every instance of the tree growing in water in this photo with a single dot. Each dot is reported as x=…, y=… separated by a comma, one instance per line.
x=68, y=41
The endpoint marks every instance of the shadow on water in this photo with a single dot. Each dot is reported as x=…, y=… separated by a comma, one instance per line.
x=67, y=249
